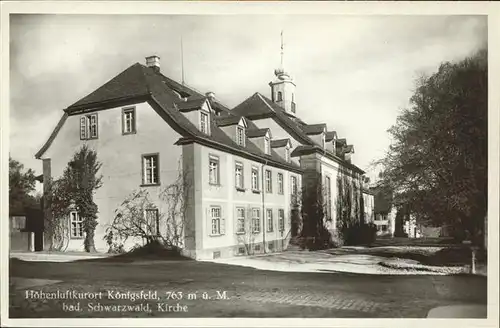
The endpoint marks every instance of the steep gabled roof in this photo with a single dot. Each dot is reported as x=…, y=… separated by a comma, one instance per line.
x=258, y=106
x=349, y=149
x=255, y=133
x=227, y=120
x=313, y=129
x=140, y=83
x=279, y=143
x=341, y=142
x=330, y=135
x=129, y=83
x=189, y=105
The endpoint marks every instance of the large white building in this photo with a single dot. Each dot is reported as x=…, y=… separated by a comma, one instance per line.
x=246, y=165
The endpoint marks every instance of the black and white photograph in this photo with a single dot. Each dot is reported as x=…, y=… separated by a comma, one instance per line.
x=259, y=164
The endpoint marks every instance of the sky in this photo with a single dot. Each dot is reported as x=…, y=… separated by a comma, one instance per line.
x=354, y=73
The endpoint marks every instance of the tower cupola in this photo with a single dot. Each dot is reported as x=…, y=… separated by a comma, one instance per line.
x=283, y=87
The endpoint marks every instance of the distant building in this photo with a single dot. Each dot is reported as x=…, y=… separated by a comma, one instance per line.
x=384, y=211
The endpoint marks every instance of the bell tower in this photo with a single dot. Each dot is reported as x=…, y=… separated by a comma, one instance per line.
x=283, y=87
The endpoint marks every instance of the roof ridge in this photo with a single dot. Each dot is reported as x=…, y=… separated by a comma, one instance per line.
x=265, y=102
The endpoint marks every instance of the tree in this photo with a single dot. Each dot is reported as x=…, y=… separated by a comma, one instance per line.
x=21, y=185
x=167, y=225
x=438, y=160
x=74, y=190
x=314, y=233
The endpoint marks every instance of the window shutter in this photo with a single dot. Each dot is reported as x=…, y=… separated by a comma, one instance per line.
x=209, y=221
x=222, y=224
x=83, y=128
x=96, y=126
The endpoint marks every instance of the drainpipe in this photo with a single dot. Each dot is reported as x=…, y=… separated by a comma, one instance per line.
x=263, y=208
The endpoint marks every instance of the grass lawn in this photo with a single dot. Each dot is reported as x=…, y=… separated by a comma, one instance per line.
x=249, y=292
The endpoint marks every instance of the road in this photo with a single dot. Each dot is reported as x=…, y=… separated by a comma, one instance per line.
x=203, y=289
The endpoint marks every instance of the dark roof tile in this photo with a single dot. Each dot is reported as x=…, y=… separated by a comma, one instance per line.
x=254, y=133
x=330, y=135
x=312, y=129
x=279, y=143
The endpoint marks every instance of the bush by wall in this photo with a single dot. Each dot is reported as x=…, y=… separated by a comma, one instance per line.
x=359, y=234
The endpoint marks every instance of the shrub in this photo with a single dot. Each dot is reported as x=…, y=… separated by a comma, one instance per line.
x=359, y=234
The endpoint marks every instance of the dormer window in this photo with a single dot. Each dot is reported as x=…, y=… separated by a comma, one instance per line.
x=323, y=140
x=267, y=145
x=204, y=122
x=240, y=136
x=287, y=154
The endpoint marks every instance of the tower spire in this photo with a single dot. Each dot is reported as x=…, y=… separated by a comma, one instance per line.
x=182, y=61
x=282, y=52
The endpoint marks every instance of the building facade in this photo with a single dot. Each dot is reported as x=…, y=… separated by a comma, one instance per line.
x=242, y=170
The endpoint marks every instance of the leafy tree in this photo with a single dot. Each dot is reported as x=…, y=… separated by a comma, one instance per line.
x=438, y=160
x=21, y=185
x=75, y=191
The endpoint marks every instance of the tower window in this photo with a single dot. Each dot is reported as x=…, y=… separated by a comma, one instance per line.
x=280, y=96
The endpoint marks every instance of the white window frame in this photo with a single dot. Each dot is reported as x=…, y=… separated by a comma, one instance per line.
x=255, y=220
x=204, y=126
x=269, y=181
x=281, y=219
x=213, y=170
x=267, y=145
x=153, y=167
x=239, y=180
x=128, y=120
x=240, y=135
x=215, y=221
x=255, y=179
x=240, y=220
x=76, y=225
x=281, y=185
x=269, y=220
x=89, y=127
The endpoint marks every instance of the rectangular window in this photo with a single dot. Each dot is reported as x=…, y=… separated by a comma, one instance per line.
x=150, y=169
x=280, y=183
x=269, y=181
x=204, y=122
x=213, y=170
x=270, y=223
x=240, y=136
x=215, y=216
x=281, y=220
x=267, y=146
x=255, y=220
x=128, y=120
x=88, y=127
x=152, y=221
x=76, y=225
x=255, y=178
x=238, y=171
x=240, y=220
x=294, y=185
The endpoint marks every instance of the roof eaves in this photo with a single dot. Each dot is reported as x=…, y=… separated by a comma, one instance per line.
x=52, y=136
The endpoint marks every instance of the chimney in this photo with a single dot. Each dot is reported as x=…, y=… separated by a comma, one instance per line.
x=210, y=95
x=153, y=62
